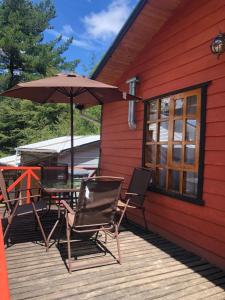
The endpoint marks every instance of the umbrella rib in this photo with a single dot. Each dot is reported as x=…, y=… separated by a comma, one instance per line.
x=62, y=91
x=93, y=94
x=52, y=92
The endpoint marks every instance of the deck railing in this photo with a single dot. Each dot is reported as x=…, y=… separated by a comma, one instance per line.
x=4, y=287
x=27, y=177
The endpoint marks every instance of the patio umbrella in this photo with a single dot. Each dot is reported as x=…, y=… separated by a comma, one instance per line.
x=78, y=91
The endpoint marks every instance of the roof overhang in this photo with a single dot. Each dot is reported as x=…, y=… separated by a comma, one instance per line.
x=145, y=21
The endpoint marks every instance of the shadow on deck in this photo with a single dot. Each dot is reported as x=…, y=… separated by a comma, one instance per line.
x=152, y=268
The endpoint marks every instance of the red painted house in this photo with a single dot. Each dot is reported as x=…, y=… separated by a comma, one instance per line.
x=163, y=54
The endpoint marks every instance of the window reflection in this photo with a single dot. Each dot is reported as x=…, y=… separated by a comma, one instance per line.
x=152, y=132
x=162, y=178
x=191, y=105
x=150, y=153
x=177, y=132
x=164, y=108
x=177, y=153
x=190, y=183
x=179, y=107
x=163, y=132
x=190, y=130
x=190, y=154
x=174, y=180
x=153, y=110
x=162, y=154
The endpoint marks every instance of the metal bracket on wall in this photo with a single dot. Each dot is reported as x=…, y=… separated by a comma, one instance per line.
x=132, y=103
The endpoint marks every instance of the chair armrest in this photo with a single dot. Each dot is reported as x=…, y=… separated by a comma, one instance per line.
x=67, y=207
x=131, y=194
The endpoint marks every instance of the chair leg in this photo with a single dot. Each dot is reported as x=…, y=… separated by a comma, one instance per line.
x=146, y=224
x=68, y=232
x=40, y=226
x=118, y=243
x=60, y=229
x=123, y=214
x=10, y=219
x=96, y=237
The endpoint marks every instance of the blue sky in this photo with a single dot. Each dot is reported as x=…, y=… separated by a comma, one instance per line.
x=94, y=25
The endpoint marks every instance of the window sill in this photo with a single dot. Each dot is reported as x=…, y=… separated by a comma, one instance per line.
x=176, y=196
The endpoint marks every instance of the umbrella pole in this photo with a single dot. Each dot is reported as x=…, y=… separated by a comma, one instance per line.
x=71, y=135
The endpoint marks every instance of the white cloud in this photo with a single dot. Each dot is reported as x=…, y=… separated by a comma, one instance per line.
x=67, y=32
x=67, y=29
x=107, y=23
x=83, y=44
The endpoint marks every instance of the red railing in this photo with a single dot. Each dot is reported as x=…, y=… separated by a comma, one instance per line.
x=4, y=287
x=27, y=177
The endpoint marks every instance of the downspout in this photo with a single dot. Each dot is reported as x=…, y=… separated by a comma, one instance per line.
x=132, y=103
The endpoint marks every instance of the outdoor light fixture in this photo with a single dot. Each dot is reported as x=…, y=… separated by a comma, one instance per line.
x=218, y=44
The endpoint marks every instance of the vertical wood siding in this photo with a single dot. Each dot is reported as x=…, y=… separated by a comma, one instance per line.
x=178, y=56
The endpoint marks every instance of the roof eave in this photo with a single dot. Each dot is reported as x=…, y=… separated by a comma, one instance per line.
x=119, y=37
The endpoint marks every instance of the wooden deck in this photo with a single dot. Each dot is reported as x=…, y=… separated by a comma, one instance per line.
x=152, y=268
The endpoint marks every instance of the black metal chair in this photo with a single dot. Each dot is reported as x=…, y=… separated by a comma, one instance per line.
x=135, y=195
x=95, y=211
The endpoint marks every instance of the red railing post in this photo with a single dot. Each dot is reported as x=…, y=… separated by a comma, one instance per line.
x=28, y=185
x=4, y=287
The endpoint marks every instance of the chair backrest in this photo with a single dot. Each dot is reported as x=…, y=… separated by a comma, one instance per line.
x=97, y=202
x=53, y=174
x=139, y=183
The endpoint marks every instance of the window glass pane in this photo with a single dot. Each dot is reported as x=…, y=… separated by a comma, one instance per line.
x=190, y=183
x=150, y=154
x=191, y=105
x=152, y=133
x=163, y=132
x=174, y=178
x=179, y=107
x=177, y=153
x=153, y=110
x=161, y=173
x=162, y=154
x=190, y=130
x=164, y=108
x=177, y=131
x=190, y=154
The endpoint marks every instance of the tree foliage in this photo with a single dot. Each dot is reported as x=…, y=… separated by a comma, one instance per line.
x=25, y=56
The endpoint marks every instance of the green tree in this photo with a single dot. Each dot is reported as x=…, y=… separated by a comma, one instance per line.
x=24, y=56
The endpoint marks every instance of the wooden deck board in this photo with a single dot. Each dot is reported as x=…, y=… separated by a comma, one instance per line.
x=152, y=268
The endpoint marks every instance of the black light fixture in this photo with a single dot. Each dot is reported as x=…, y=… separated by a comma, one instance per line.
x=218, y=44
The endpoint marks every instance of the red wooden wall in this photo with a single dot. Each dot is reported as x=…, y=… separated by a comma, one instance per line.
x=178, y=56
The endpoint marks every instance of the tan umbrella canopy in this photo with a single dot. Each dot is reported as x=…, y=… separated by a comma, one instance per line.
x=68, y=88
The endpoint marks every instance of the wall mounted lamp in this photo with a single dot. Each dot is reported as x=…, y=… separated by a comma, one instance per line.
x=218, y=44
